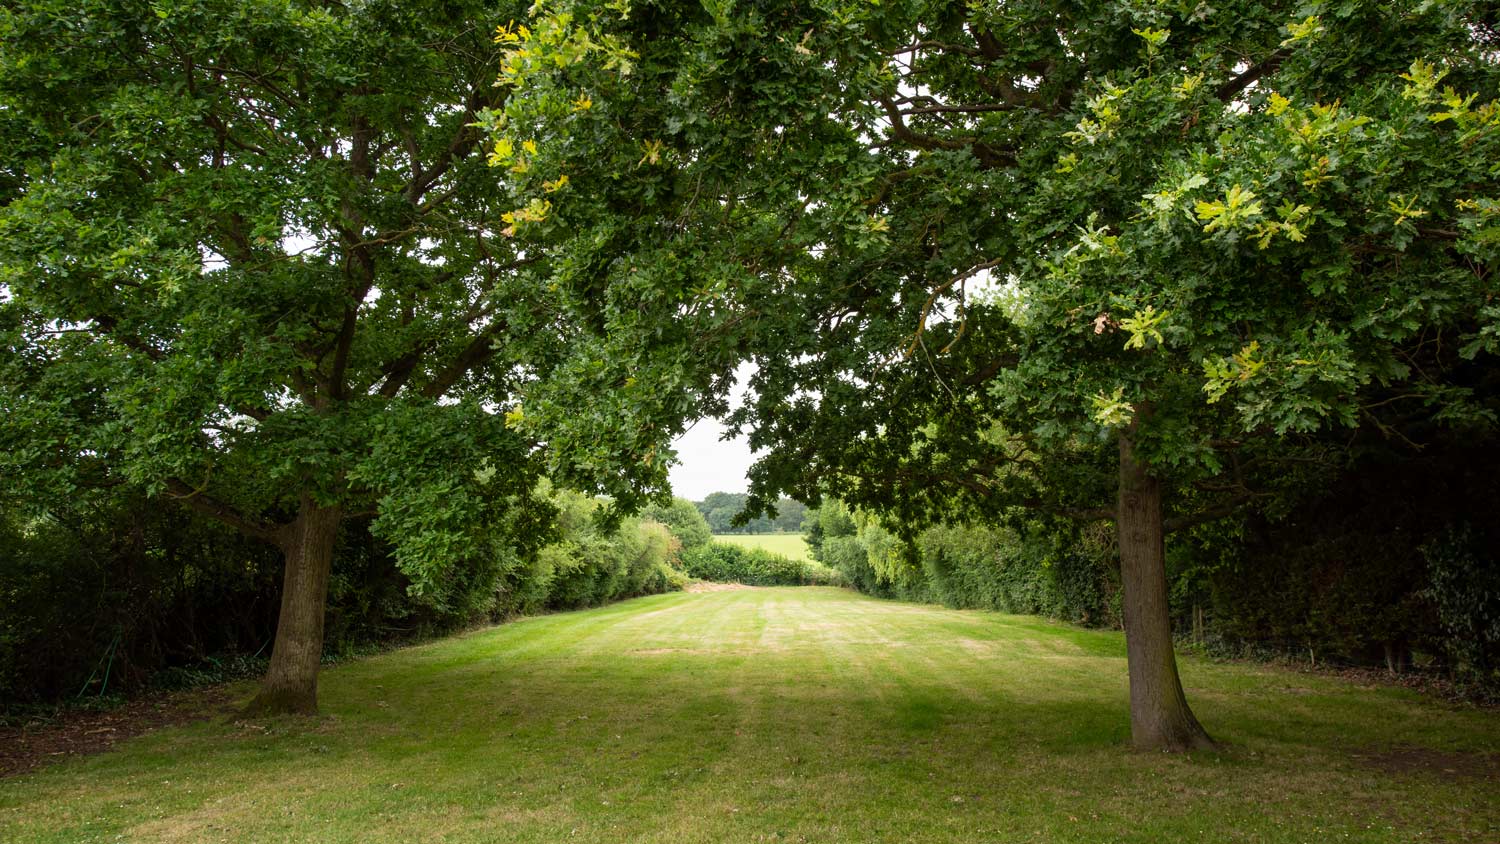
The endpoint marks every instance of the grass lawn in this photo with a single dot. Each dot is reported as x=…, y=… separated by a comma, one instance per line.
x=786, y=544
x=798, y=714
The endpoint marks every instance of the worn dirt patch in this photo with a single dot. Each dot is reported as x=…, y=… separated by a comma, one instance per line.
x=976, y=646
x=705, y=586
x=1440, y=763
x=79, y=733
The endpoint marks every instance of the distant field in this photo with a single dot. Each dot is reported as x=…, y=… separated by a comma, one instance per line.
x=788, y=544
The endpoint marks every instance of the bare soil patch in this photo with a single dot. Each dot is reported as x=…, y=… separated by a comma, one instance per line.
x=706, y=586
x=1439, y=763
x=82, y=732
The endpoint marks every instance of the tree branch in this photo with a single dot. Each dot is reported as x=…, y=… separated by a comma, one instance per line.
x=959, y=109
x=937, y=291
x=464, y=142
x=1229, y=89
x=1228, y=508
x=479, y=350
x=987, y=155
x=196, y=499
x=110, y=326
x=988, y=371
x=961, y=49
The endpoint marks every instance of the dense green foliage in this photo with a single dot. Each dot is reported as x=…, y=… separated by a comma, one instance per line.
x=243, y=259
x=684, y=520
x=830, y=205
x=1167, y=263
x=725, y=563
x=97, y=597
x=592, y=565
x=117, y=595
x=1465, y=590
x=253, y=264
x=1068, y=576
x=1384, y=567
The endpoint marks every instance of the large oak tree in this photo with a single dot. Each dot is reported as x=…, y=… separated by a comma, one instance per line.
x=252, y=261
x=968, y=244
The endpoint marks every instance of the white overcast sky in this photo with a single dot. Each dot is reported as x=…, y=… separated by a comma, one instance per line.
x=708, y=463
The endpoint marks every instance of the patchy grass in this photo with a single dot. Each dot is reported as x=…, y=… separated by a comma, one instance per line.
x=786, y=544
x=800, y=714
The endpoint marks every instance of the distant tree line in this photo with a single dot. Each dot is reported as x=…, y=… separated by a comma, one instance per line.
x=725, y=562
x=721, y=508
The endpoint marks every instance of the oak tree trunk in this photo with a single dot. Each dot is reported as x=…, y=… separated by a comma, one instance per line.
x=1159, y=715
x=291, y=682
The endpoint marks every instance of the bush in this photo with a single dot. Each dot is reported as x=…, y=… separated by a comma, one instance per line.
x=684, y=520
x=1044, y=573
x=724, y=563
x=1466, y=591
x=105, y=594
x=845, y=555
x=591, y=565
x=96, y=598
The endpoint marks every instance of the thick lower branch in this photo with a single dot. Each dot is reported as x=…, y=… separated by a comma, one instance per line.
x=479, y=350
x=1228, y=508
x=196, y=499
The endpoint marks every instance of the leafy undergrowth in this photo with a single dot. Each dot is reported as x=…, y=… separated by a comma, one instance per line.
x=783, y=715
x=725, y=562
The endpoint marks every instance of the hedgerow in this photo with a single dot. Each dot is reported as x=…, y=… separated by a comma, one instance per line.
x=724, y=563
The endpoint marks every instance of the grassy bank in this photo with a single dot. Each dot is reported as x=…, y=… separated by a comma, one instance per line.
x=799, y=714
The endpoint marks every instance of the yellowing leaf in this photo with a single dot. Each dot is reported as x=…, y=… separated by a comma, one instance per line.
x=1405, y=208
x=1144, y=325
x=503, y=152
x=509, y=34
x=1111, y=409
x=1189, y=84
x=653, y=152
x=1310, y=26
x=1238, y=207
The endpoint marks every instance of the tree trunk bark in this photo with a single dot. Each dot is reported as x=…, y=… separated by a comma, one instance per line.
x=1159, y=715
x=291, y=682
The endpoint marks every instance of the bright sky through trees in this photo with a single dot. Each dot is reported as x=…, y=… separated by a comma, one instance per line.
x=709, y=463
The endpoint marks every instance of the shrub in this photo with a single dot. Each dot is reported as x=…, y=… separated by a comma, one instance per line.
x=724, y=563
x=684, y=520
x=591, y=565
x=103, y=594
x=1043, y=572
x=1466, y=590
